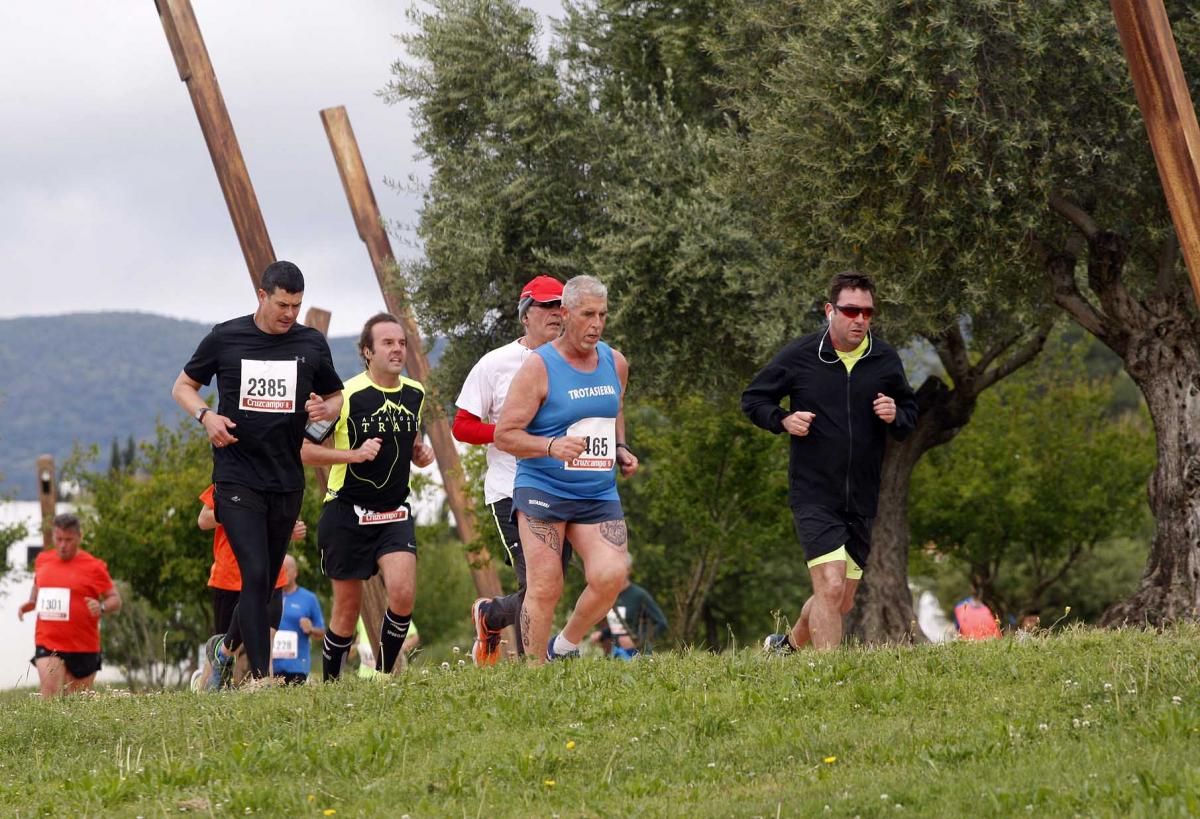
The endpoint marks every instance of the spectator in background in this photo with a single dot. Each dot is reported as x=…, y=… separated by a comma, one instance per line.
x=633, y=624
x=300, y=624
x=975, y=621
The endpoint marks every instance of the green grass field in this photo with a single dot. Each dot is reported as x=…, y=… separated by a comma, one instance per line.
x=1084, y=723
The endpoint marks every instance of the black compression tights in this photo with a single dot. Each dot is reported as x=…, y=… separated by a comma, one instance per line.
x=259, y=526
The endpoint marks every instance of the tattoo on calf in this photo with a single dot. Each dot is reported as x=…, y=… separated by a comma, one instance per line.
x=547, y=533
x=524, y=626
x=614, y=532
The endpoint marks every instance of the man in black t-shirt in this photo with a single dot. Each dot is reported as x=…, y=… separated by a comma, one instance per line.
x=274, y=377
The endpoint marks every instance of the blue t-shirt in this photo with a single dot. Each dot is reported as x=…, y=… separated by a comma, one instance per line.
x=571, y=396
x=300, y=603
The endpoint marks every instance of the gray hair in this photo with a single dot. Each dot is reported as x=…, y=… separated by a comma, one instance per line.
x=579, y=288
x=67, y=522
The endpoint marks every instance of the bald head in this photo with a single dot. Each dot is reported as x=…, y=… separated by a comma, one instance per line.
x=290, y=570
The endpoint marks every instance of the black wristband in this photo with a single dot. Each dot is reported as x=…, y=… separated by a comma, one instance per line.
x=625, y=447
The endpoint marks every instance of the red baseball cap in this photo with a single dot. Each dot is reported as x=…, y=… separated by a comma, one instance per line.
x=542, y=289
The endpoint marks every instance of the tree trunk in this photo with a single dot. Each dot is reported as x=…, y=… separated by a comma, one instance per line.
x=1166, y=366
x=1157, y=337
x=883, y=610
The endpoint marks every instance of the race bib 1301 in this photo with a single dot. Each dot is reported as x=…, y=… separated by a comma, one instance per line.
x=54, y=604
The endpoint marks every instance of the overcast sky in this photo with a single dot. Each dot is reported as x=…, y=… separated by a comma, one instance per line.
x=109, y=200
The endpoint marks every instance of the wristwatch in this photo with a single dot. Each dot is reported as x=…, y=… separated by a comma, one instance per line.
x=199, y=414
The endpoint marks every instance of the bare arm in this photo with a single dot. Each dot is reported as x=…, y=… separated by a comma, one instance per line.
x=525, y=397
x=186, y=393
x=30, y=604
x=325, y=455
x=625, y=458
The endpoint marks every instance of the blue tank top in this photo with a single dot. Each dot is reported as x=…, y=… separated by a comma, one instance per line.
x=571, y=396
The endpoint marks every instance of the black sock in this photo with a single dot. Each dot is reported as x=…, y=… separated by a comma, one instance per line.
x=333, y=651
x=392, y=632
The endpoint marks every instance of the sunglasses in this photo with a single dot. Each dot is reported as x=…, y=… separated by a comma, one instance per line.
x=549, y=305
x=851, y=311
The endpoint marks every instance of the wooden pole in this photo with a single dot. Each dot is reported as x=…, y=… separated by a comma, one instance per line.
x=196, y=71
x=1162, y=94
x=48, y=495
x=370, y=229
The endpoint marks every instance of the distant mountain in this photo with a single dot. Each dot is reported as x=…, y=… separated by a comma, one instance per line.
x=86, y=378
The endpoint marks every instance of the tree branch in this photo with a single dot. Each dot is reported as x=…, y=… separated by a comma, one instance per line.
x=1019, y=358
x=1074, y=214
x=1168, y=256
x=1060, y=267
x=954, y=357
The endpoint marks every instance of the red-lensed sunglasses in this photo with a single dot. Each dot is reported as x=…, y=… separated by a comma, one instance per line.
x=851, y=311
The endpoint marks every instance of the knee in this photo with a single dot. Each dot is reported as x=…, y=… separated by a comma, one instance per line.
x=609, y=575
x=832, y=593
x=401, y=600
x=543, y=588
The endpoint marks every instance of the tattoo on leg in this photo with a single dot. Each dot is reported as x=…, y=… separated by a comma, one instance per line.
x=547, y=533
x=524, y=627
x=614, y=532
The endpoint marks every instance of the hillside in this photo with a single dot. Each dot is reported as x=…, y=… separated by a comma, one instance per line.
x=1084, y=723
x=85, y=378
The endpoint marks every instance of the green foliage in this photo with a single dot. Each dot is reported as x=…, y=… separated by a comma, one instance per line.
x=1042, y=476
x=899, y=139
x=1081, y=723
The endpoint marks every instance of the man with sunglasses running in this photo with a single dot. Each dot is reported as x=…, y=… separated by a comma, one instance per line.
x=846, y=389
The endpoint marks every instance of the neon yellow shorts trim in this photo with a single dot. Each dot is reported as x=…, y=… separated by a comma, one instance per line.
x=853, y=570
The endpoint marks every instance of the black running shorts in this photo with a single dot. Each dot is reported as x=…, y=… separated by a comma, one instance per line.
x=350, y=550
x=79, y=664
x=822, y=530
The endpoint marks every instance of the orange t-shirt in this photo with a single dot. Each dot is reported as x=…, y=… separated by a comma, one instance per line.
x=85, y=576
x=225, y=573
x=976, y=621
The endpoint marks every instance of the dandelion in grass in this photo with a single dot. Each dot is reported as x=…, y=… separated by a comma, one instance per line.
x=329, y=811
x=829, y=760
x=456, y=650
x=1177, y=700
x=445, y=666
x=549, y=783
x=1043, y=726
x=570, y=745
x=312, y=797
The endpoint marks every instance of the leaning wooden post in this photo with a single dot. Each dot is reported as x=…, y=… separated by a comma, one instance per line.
x=196, y=71
x=48, y=496
x=1162, y=94
x=370, y=229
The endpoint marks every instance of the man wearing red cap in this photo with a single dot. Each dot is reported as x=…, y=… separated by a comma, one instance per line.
x=479, y=404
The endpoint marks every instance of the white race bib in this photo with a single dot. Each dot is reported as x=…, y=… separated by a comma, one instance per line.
x=286, y=646
x=268, y=386
x=54, y=604
x=600, y=451
x=368, y=518
x=615, y=616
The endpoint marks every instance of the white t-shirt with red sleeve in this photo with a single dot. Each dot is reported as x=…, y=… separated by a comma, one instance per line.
x=482, y=395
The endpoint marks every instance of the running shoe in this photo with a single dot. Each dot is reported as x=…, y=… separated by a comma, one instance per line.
x=777, y=644
x=486, y=648
x=196, y=684
x=551, y=656
x=218, y=669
